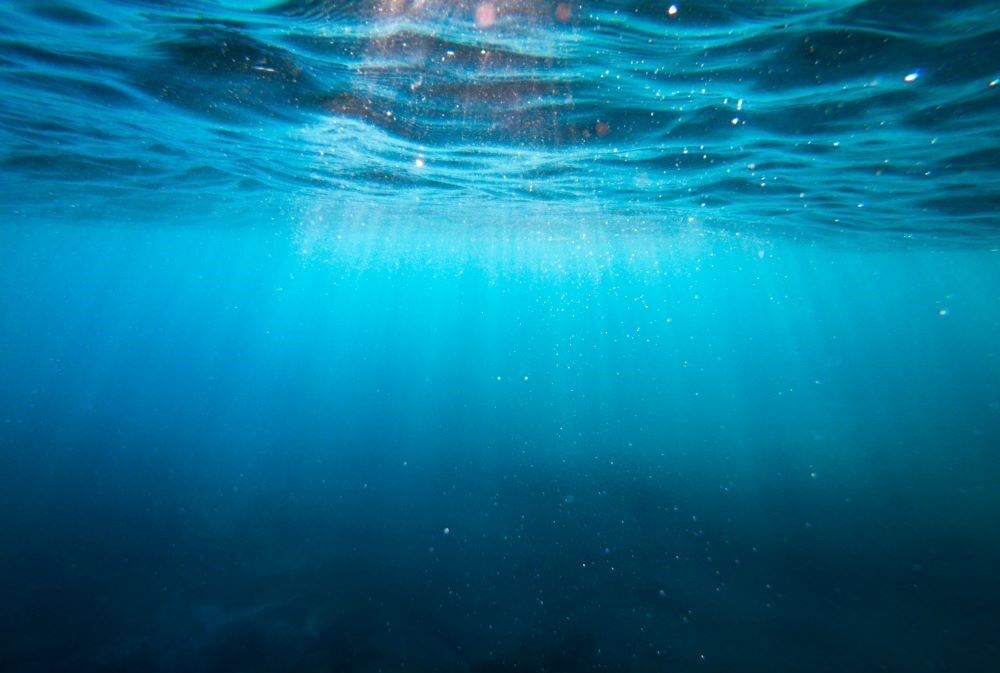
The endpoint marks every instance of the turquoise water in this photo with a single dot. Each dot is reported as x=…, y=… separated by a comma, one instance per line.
x=511, y=336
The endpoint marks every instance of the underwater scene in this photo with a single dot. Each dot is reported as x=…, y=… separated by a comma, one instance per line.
x=482, y=336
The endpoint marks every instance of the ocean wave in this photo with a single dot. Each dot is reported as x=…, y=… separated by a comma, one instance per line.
x=843, y=116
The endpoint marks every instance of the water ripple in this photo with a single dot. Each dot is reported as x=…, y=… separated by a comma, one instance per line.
x=805, y=118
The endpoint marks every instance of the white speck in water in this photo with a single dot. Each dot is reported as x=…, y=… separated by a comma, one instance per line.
x=912, y=77
x=447, y=531
x=943, y=312
x=672, y=10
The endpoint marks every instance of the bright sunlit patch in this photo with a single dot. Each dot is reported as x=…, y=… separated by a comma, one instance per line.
x=496, y=239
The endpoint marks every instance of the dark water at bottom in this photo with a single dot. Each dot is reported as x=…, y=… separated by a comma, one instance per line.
x=220, y=451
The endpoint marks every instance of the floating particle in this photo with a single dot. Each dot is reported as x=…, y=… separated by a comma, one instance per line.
x=563, y=12
x=912, y=77
x=447, y=531
x=672, y=10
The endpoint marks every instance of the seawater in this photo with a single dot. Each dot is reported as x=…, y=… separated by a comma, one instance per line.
x=415, y=335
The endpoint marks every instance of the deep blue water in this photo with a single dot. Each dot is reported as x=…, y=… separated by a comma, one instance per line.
x=447, y=336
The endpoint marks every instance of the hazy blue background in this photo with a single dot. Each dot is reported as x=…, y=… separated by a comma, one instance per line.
x=514, y=379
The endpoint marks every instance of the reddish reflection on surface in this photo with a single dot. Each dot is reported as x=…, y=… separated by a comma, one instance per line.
x=422, y=79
